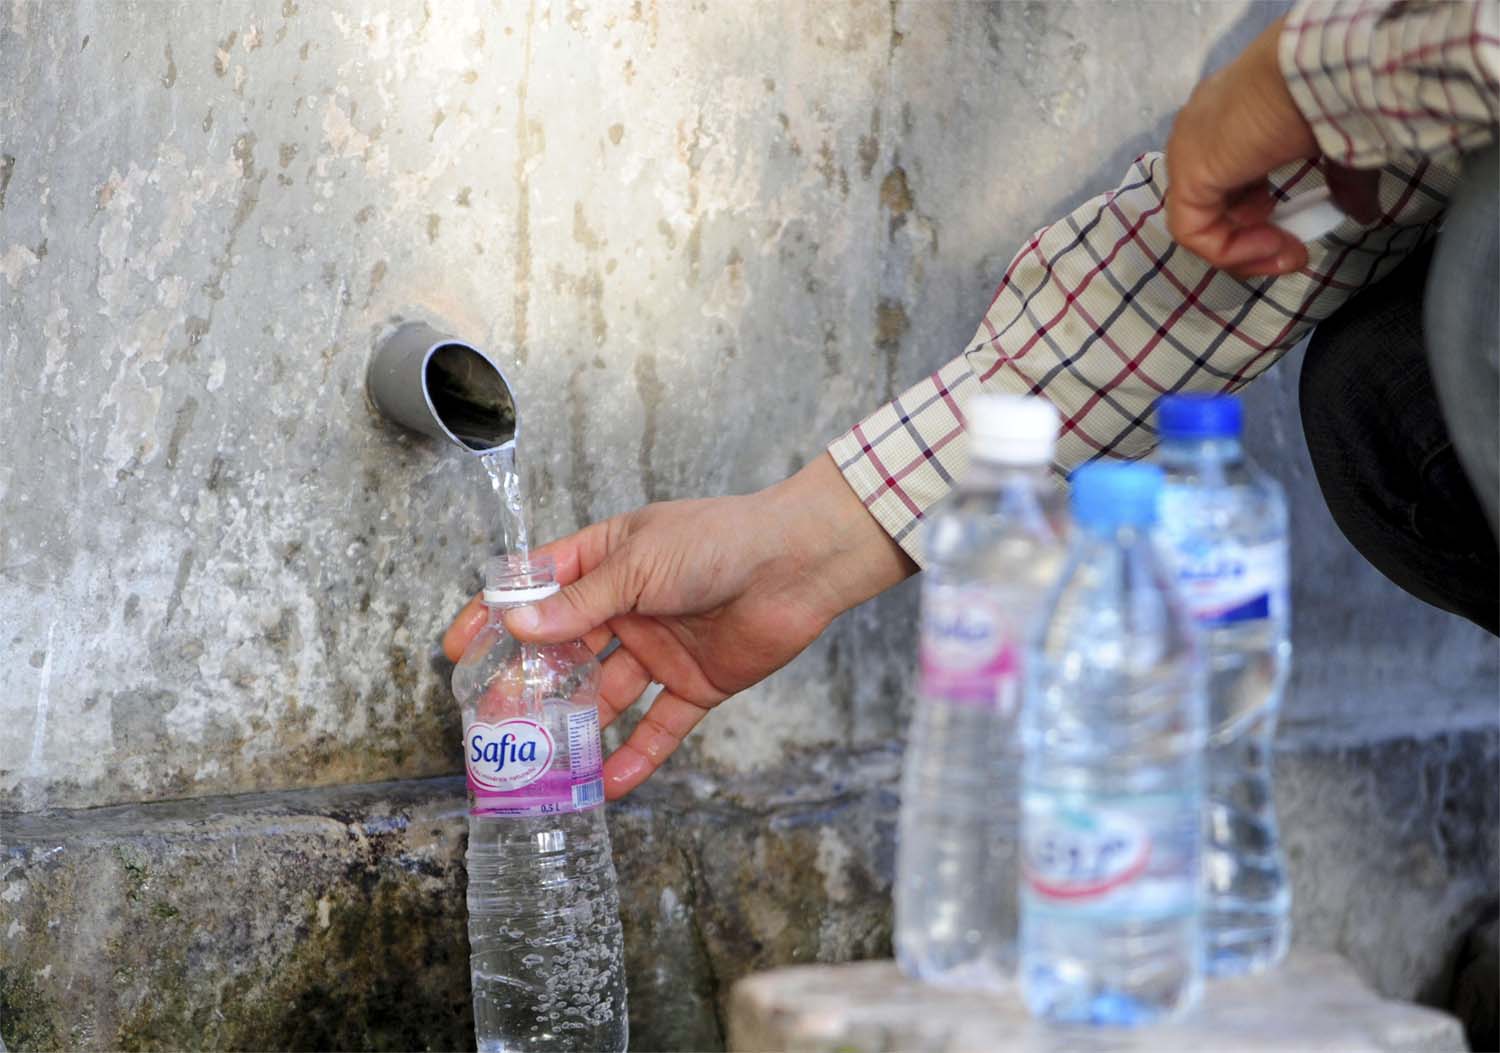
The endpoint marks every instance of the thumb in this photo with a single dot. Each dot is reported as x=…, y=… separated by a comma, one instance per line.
x=575, y=609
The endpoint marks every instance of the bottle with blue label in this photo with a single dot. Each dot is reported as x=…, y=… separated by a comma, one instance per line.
x=546, y=950
x=1112, y=785
x=992, y=552
x=1224, y=525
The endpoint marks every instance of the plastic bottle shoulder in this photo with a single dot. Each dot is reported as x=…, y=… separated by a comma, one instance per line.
x=1117, y=660
x=996, y=526
x=1229, y=500
x=496, y=664
x=1116, y=611
x=1241, y=473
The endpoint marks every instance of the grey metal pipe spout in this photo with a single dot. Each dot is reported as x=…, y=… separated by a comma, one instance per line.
x=441, y=386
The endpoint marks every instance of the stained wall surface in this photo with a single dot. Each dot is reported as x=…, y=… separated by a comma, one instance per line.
x=703, y=238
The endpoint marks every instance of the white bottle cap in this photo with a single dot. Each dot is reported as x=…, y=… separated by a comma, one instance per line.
x=1012, y=429
x=1307, y=217
x=525, y=594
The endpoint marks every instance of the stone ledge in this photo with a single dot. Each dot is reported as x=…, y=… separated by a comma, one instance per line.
x=1314, y=1002
x=334, y=918
x=298, y=920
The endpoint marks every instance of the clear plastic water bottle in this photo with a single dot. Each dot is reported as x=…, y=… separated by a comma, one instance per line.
x=1225, y=528
x=546, y=953
x=992, y=554
x=1112, y=792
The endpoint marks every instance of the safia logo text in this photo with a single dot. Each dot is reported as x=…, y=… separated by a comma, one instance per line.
x=497, y=754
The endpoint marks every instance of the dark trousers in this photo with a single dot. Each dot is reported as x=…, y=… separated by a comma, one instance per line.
x=1400, y=401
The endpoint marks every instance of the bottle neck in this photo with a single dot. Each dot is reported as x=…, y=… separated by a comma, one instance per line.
x=1116, y=536
x=1002, y=475
x=1226, y=450
x=499, y=600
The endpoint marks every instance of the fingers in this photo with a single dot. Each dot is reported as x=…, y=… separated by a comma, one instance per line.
x=573, y=556
x=1253, y=247
x=1227, y=232
x=654, y=739
x=1288, y=260
x=467, y=623
x=1258, y=244
x=464, y=628
x=578, y=553
x=1252, y=207
x=598, y=595
x=622, y=682
x=598, y=639
x=566, y=615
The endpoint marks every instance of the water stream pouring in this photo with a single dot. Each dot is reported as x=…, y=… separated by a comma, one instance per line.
x=440, y=386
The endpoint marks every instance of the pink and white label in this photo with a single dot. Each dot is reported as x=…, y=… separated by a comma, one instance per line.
x=511, y=771
x=968, y=653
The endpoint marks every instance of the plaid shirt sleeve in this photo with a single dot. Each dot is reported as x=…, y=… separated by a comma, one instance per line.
x=1102, y=313
x=1378, y=80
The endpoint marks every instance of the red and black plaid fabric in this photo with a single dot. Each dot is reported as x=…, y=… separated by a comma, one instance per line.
x=1102, y=313
x=1378, y=81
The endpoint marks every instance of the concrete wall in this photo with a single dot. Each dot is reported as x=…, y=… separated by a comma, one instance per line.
x=703, y=239
x=706, y=240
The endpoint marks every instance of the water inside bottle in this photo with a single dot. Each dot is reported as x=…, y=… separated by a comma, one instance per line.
x=1112, y=776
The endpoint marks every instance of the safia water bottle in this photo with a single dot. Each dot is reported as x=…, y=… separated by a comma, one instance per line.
x=546, y=951
x=992, y=554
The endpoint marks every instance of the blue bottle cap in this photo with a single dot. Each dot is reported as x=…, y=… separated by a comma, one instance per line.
x=1112, y=494
x=1198, y=417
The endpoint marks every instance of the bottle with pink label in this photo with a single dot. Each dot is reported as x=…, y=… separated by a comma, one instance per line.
x=546, y=951
x=993, y=552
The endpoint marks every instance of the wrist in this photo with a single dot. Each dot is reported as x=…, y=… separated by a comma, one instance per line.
x=1276, y=93
x=839, y=550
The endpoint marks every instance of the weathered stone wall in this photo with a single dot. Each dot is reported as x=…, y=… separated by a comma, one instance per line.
x=702, y=238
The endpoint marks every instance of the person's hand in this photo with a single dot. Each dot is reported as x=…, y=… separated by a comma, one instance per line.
x=1239, y=125
x=706, y=598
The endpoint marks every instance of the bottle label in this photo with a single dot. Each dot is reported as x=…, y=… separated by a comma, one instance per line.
x=511, y=772
x=968, y=651
x=1134, y=856
x=1224, y=582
